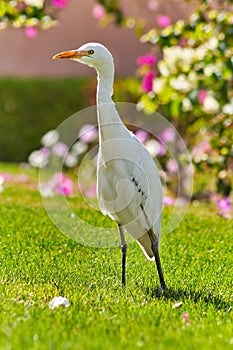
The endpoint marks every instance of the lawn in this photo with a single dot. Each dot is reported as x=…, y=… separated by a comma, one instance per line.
x=38, y=263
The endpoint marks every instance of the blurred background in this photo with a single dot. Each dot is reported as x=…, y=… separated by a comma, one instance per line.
x=29, y=55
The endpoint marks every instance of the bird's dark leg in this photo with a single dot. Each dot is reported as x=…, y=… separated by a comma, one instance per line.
x=123, y=249
x=155, y=248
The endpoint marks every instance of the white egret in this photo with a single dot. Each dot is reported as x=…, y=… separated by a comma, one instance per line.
x=128, y=185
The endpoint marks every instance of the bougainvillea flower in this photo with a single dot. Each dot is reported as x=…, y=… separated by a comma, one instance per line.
x=36, y=3
x=147, y=81
x=201, y=96
x=50, y=138
x=202, y=147
x=155, y=148
x=5, y=176
x=62, y=184
x=167, y=135
x=71, y=160
x=162, y=150
x=60, y=3
x=98, y=12
x=163, y=21
x=152, y=5
x=38, y=158
x=168, y=201
x=31, y=32
x=142, y=135
x=60, y=149
x=150, y=59
x=91, y=191
x=21, y=6
x=88, y=133
x=210, y=105
x=172, y=166
x=224, y=204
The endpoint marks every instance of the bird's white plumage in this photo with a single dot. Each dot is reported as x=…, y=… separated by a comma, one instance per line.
x=128, y=185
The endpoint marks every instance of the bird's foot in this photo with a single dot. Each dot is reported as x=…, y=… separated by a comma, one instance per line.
x=161, y=290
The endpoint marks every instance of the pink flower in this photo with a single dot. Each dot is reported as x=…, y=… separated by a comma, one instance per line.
x=88, y=133
x=31, y=32
x=201, y=96
x=142, y=135
x=60, y=149
x=183, y=42
x=62, y=184
x=22, y=178
x=163, y=21
x=20, y=6
x=168, y=201
x=162, y=150
x=224, y=204
x=45, y=151
x=147, y=81
x=152, y=5
x=150, y=59
x=5, y=176
x=202, y=147
x=60, y=3
x=155, y=148
x=91, y=192
x=172, y=166
x=167, y=135
x=98, y=11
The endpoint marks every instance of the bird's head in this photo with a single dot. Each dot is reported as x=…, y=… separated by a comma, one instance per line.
x=92, y=54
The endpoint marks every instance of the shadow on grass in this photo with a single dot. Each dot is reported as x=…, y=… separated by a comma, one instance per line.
x=195, y=296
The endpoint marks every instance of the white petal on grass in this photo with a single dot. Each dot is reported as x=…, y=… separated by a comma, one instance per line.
x=59, y=302
x=177, y=305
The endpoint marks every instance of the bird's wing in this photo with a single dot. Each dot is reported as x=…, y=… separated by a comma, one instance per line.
x=129, y=188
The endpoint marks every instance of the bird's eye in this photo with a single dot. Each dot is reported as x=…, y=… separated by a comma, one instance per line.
x=90, y=52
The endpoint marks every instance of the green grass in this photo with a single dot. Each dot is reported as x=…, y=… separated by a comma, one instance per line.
x=37, y=263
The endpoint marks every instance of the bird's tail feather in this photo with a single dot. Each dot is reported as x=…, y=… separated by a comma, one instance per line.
x=145, y=244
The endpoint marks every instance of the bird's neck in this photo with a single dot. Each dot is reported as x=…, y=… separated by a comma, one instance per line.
x=107, y=113
x=105, y=87
x=109, y=122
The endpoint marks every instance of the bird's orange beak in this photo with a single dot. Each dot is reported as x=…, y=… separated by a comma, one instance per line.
x=70, y=54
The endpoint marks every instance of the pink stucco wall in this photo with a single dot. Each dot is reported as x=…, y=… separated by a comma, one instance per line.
x=21, y=56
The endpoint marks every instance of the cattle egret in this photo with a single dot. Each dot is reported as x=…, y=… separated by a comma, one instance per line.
x=128, y=185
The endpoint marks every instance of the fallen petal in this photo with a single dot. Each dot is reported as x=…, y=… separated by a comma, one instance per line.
x=59, y=302
x=176, y=305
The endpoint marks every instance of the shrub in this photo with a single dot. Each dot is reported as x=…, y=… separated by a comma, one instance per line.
x=29, y=107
